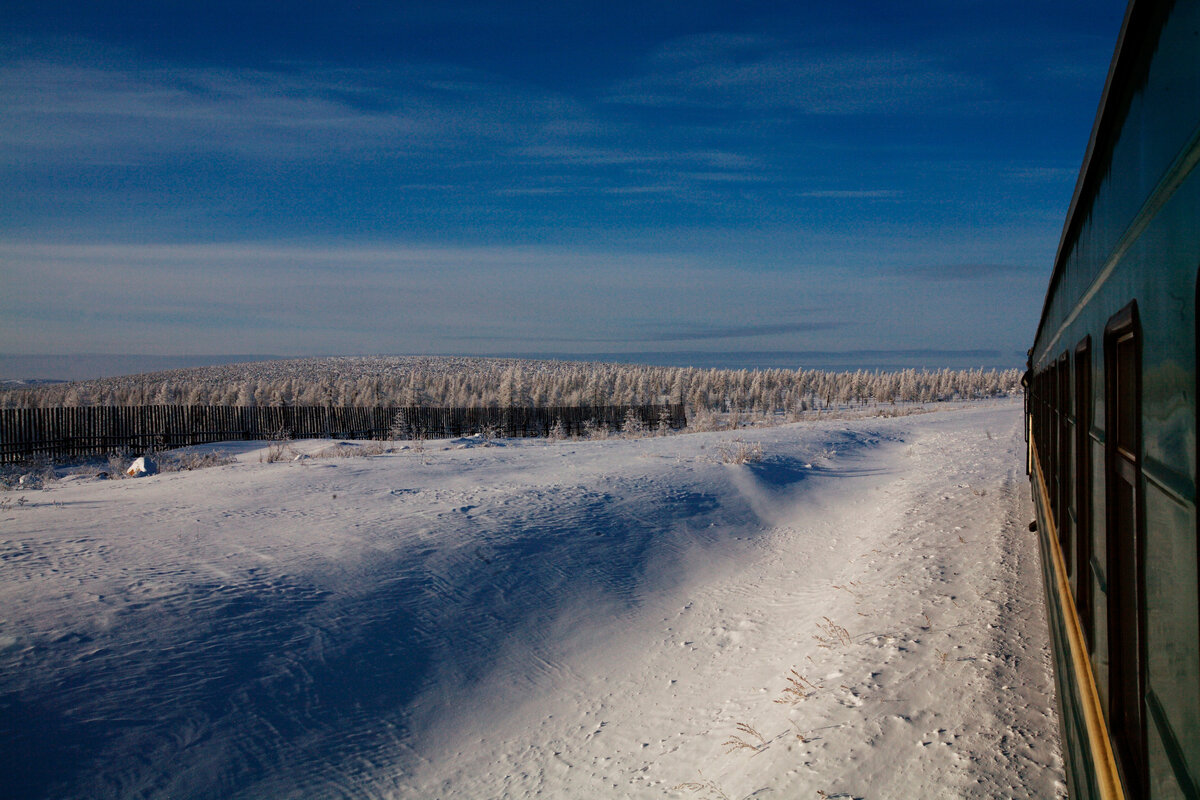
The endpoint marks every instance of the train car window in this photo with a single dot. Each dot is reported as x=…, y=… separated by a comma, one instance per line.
x=1037, y=413
x=1041, y=421
x=1045, y=445
x=1047, y=410
x=1052, y=439
x=1083, y=486
x=1063, y=448
x=1124, y=545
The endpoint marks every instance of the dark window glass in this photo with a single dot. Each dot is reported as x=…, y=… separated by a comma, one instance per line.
x=1127, y=401
x=1083, y=487
x=1052, y=440
x=1124, y=548
x=1063, y=447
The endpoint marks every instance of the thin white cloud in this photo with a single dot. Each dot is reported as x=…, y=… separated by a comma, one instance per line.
x=56, y=110
x=686, y=51
x=59, y=111
x=531, y=191
x=69, y=113
x=853, y=194
x=648, y=189
x=570, y=153
x=969, y=271
x=764, y=74
x=1040, y=174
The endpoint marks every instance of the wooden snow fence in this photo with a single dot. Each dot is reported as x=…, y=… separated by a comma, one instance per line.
x=27, y=433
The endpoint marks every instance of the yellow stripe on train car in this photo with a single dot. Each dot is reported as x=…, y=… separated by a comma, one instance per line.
x=1099, y=743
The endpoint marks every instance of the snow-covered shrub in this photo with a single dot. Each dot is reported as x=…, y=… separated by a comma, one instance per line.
x=278, y=450
x=28, y=474
x=664, y=421
x=355, y=450
x=117, y=462
x=739, y=452
x=400, y=428
x=702, y=419
x=279, y=446
x=187, y=460
x=594, y=430
x=633, y=427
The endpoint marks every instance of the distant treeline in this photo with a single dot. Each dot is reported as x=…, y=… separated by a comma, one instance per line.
x=370, y=382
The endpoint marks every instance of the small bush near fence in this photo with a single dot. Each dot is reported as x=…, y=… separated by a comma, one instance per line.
x=27, y=433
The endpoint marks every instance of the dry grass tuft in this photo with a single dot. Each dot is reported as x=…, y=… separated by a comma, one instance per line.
x=832, y=634
x=278, y=451
x=735, y=743
x=702, y=785
x=187, y=461
x=7, y=502
x=798, y=688
x=354, y=450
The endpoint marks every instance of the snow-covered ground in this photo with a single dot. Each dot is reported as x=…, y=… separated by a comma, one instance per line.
x=857, y=615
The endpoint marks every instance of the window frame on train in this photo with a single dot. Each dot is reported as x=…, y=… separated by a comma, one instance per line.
x=1063, y=446
x=1125, y=546
x=1083, y=488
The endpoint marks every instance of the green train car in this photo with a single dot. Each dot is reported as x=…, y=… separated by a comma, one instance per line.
x=1111, y=419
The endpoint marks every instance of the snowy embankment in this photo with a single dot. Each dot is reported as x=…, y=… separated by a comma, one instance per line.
x=858, y=614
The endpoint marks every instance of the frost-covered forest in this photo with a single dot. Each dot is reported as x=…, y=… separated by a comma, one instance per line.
x=474, y=382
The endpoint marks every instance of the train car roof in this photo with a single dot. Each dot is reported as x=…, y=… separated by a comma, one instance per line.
x=1142, y=20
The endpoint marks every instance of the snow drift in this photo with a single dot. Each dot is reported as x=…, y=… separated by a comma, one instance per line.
x=856, y=613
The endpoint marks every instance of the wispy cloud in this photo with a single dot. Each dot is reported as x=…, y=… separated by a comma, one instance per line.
x=966, y=271
x=1040, y=174
x=656, y=333
x=694, y=333
x=531, y=191
x=853, y=194
x=435, y=126
x=572, y=153
x=762, y=73
x=643, y=154
x=56, y=109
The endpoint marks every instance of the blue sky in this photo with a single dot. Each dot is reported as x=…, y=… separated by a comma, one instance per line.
x=694, y=180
